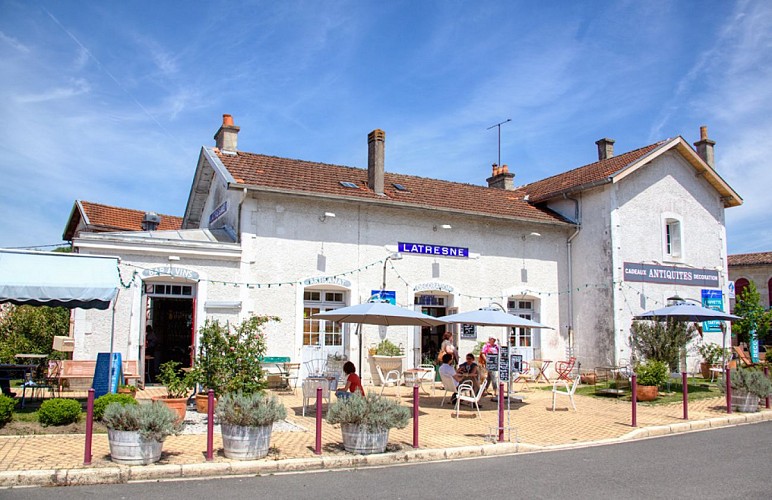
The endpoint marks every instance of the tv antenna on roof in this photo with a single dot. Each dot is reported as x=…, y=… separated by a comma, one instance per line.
x=498, y=125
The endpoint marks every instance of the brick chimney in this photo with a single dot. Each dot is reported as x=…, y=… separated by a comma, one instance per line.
x=226, y=139
x=605, y=148
x=376, y=148
x=501, y=178
x=705, y=147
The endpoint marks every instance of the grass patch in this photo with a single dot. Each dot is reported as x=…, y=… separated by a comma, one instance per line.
x=699, y=389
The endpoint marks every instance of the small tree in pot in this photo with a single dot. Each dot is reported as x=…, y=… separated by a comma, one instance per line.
x=245, y=414
x=210, y=370
x=650, y=375
x=136, y=432
x=247, y=421
x=748, y=386
x=365, y=421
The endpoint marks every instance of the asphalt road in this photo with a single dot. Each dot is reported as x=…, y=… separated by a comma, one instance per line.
x=734, y=462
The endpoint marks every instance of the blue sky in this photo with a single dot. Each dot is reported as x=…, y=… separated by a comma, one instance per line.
x=111, y=101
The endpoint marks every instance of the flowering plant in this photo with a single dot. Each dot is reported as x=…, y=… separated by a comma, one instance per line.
x=230, y=357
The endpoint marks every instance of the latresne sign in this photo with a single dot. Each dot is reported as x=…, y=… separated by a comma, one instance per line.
x=438, y=250
x=650, y=273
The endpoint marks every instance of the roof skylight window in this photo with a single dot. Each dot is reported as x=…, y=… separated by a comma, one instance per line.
x=400, y=187
x=347, y=184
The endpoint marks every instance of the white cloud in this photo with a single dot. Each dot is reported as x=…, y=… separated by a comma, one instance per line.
x=14, y=43
x=77, y=87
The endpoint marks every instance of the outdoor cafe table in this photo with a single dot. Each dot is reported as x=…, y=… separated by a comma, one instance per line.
x=541, y=365
x=417, y=376
x=6, y=375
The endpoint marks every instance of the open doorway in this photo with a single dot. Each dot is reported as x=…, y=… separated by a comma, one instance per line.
x=170, y=318
x=431, y=336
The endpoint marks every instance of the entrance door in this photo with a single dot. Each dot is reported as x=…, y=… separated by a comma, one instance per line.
x=170, y=314
x=320, y=338
x=431, y=336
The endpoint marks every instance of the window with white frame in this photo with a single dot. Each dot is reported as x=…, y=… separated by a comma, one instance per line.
x=320, y=332
x=673, y=238
x=522, y=337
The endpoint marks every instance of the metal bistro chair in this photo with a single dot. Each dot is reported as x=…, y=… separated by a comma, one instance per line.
x=309, y=391
x=315, y=367
x=290, y=373
x=36, y=383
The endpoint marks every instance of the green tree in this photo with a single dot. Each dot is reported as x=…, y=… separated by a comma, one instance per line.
x=754, y=317
x=660, y=340
x=30, y=329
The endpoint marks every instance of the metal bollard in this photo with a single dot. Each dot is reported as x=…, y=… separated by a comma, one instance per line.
x=501, y=412
x=210, y=427
x=89, y=427
x=318, y=447
x=728, y=380
x=415, y=416
x=766, y=374
x=635, y=400
x=685, y=390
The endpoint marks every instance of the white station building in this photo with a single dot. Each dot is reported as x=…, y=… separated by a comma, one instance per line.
x=583, y=252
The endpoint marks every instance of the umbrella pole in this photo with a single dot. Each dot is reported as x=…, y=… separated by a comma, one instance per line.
x=112, y=346
x=358, y=333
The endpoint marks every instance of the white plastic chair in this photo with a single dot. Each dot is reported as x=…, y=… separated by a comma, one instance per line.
x=428, y=376
x=315, y=367
x=466, y=393
x=569, y=391
x=449, y=385
x=392, y=378
x=309, y=391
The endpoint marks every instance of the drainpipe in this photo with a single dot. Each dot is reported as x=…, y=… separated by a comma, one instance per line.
x=577, y=221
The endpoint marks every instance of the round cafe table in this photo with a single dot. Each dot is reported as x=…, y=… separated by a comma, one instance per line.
x=541, y=366
x=417, y=376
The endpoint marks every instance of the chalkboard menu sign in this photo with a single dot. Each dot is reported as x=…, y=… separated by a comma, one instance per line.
x=492, y=362
x=468, y=331
x=104, y=382
x=504, y=363
x=516, y=363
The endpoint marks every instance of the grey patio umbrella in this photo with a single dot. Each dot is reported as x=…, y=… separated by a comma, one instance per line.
x=378, y=313
x=491, y=317
x=685, y=311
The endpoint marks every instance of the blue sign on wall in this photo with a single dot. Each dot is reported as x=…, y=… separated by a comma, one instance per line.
x=389, y=296
x=438, y=250
x=712, y=299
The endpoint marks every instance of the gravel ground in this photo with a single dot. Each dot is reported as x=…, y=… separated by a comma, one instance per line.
x=195, y=423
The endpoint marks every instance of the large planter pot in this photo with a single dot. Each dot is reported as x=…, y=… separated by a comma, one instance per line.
x=132, y=393
x=178, y=405
x=202, y=403
x=357, y=439
x=387, y=363
x=245, y=443
x=705, y=369
x=128, y=448
x=647, y=392
x=745, y=402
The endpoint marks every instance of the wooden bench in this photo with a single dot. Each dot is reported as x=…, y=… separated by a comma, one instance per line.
x=82, y=372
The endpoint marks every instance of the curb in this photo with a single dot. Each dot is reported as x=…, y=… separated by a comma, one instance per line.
x=125, y=474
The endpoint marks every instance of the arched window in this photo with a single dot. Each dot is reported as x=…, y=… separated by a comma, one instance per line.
x=739, y=287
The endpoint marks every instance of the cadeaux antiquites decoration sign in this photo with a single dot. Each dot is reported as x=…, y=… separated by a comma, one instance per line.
x=676, y=275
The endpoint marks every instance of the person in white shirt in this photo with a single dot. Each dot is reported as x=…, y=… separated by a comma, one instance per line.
x=447, y=370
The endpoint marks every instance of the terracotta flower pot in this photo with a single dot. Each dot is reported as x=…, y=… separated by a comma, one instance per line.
x=178, y=405
x=647, y=392
x=202, y=402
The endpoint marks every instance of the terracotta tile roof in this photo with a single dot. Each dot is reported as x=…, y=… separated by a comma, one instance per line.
x=750, y=259
x=583, y=177
x=107, y=218
x=319, y=178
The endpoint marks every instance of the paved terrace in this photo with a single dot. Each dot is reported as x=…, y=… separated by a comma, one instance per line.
x=596, y=419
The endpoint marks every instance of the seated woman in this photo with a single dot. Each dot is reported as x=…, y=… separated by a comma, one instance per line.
x=469, y=371
x=353, y=382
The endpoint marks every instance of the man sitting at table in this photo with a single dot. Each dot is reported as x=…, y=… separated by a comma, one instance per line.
x=447, y=371
x=469, y=371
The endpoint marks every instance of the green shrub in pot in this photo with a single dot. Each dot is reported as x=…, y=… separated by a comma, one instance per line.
x=652, y=373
